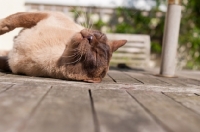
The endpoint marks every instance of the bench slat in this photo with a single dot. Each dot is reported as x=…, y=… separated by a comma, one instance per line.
x=136, y=52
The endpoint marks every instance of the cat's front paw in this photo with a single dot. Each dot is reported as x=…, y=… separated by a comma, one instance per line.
x=3, y=27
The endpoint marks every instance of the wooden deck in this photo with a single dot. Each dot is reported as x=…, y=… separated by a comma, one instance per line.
x=126, y=101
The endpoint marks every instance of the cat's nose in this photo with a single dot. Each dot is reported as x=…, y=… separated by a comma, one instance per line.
x=90, y=38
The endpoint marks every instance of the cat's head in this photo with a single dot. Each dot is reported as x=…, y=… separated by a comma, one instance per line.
x=93, y=50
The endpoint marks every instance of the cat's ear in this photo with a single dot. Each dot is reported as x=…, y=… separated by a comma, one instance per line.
x=114, y=45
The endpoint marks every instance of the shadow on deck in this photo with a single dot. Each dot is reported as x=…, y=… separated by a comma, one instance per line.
x=128, y=100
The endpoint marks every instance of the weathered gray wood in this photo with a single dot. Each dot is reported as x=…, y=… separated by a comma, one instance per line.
x=118, y=112
x=107, y=79
x=16, y=79
x=12, y=78
x=173, y=115
x=4, y=87
x=18, y=103
x=175, y=81
x=138, y=56
x=189, y=74
x=63, y=109
x=189, y=81
x=172, y=81
x=190, y=100
x=2, y=74
x=120, y=77
x=27, y=107
x=146, y=79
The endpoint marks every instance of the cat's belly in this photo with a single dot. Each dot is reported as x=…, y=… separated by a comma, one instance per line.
x=37, y=50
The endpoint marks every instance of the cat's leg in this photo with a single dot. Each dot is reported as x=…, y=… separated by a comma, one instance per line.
x=22, y=19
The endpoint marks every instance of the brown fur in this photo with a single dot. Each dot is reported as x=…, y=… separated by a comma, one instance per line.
x=52, y=45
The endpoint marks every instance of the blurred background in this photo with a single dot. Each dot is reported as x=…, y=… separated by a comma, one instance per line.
x=122, y=16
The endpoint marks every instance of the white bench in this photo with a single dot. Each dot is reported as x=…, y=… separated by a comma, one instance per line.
x=135, y=53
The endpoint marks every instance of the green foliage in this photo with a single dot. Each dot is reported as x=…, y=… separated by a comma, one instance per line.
x=152, y=23
x=131, y=21
x=140, y=22
x=99, y=24
x=190, y=33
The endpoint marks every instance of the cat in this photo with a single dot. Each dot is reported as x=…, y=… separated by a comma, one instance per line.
x=52, y=45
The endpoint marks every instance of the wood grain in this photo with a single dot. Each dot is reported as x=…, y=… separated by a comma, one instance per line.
x=107, y=79
x=173, y=115
x=4, y=87
x=118, y=112
x=190, y=100
x=172, y=81
x=189, y=81
x=64, y=109
x=146, y=79
x=17, y=104
x=120, y=77
x=1, y=73
x=36, y=104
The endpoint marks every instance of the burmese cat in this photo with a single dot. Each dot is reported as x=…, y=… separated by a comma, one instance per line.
x=52, y=45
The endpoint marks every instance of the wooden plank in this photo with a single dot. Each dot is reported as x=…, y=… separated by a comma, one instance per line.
x=173, y=115
x=129, y=55
x=131, y=50
x=107, y=79
x=16, y=79
x=190, y=100
x=146, y=79
x=189, y=74
x=64, y=109
x=189, y=81
x=135, y=45
x=4, y=87
x=13, y=78
x=171, y=81
x=120, y=77
x=2, y=74
x=129, y=61
x=135, y=37
x=18, y=103
x=118, y=112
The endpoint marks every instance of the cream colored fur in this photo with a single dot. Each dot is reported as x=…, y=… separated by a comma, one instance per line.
x=44, y=44
x=44, y=47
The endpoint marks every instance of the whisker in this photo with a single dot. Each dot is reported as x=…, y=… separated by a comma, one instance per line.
x=78, y=15
x=85, y=17
x=91, y=25
x=74, y=61
x=74, y=55
x=73, y=49
x=101, y=36
x=88, y=23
